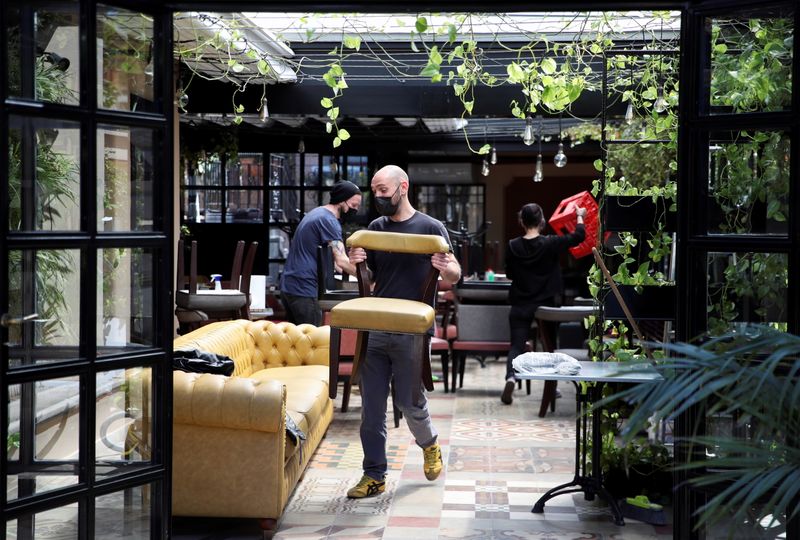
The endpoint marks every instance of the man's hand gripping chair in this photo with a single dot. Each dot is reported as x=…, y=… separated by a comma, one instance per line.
x=370, y=314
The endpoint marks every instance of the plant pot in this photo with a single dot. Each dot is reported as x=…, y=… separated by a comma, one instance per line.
x=637, y=213
x=653, y=303
x=641, y=479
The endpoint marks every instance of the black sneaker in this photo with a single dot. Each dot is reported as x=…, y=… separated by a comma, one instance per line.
x=508, y=392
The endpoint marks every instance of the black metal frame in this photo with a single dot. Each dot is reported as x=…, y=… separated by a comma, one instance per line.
x=89, y=242
x=694, y=241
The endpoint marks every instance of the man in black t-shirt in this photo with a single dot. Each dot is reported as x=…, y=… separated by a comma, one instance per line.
x=396, y=275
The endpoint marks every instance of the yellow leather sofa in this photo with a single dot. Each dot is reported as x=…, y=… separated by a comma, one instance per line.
x=231, y=455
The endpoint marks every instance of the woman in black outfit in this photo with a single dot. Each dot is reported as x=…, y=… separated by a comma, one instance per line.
x=532, y=265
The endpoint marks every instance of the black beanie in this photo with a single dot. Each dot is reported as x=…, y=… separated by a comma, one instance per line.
x=343, y=190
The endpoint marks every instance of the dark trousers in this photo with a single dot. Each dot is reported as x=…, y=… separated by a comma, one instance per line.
x=302, y=309
x=520, y=319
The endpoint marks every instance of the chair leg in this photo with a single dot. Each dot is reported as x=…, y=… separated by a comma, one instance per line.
x=333, y=362
x=346, y=393
x=423, y=343
x=398, y=414
x=456, y=363
x=461, y=367
x=362, y=341
x=445, y=370
x=528, y=386
x=548, y=396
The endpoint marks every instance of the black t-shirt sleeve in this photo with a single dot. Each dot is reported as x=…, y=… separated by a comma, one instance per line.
x=569, y=240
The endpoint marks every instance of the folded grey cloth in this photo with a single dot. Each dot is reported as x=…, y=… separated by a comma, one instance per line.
x=544, y=362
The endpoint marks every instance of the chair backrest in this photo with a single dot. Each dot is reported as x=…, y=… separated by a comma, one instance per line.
x=423, y=244
x=236, y=269
x=181, y=282
x=247, y=267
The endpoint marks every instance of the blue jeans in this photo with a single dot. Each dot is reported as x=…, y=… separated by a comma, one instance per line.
x=389, y=355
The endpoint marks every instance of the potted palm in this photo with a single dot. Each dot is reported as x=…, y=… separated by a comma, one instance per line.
x=748, y=460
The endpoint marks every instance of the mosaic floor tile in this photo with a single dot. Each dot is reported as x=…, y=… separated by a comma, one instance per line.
x=349, y=455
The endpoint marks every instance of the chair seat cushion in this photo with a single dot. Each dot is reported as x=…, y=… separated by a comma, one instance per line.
x=439, y=344
x=398, y=242
x=211, y=300
x=383, y=315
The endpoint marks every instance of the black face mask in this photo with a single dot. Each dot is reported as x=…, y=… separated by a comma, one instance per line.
x=385, y=206
x=348, y=214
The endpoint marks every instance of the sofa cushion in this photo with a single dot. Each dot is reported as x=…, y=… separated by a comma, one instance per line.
x=230, y=338
x=306, y=395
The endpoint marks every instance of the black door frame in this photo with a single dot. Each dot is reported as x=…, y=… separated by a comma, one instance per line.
x=89, y=241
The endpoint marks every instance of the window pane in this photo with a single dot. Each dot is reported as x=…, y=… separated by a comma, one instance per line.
x=751, y=62
x=206, y=172
x=44, y=175
x=312, y=199
x=639, y=167
x=125, y=185
x=278, y=244
x=746, y=288
x=454, y=205
x=249, y=171
x=209, y=205
x=55, y=75
x=51, y=278
x=358, y=170
x=61, y=523
x=311, y=173
x=125, y=514
x=330, y=170
x=284, y=169
x=125, y=300
x=125, y=43
x=124, y=420
x=749, y=183
x=245, y=206
x=48, y=430
x=284, y=206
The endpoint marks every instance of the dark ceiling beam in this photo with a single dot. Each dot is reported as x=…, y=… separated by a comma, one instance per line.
x=422, y=6
x=372, y=98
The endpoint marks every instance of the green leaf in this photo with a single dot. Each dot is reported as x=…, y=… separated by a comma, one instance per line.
x=720, y=48
x=343, y=134
x=237, y=67
x=468, y=106
x=263, y=67
x=352, y=42
x=421, y=25
x=430, y=70
x=328, y=127
x=452, y=33
x=436, y=78
x=414, y=43
x=326, y=102
x=237, y=119
x=240, y=108
x=333, y=113
x=598, y=164
x=515, y=73
x=548, y=66
x=435, y=57
x=341, y=83
x=485, y=149
x=337, y=142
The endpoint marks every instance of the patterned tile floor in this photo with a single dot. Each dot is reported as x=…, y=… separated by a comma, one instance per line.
x=499, y=459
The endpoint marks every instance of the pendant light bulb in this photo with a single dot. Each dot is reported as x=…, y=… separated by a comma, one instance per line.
x=301, y=147
x=560, y=159
x=493, y=158
x=528, y=136
x=660, y=104
x=629, y=114
x=183, y=99
x=539, y=174
x=485, y=167
x=264, y=112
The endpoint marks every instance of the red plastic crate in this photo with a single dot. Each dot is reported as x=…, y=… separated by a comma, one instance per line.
x=564, y=220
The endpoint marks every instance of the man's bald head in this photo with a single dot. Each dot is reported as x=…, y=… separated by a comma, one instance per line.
x=392, y=173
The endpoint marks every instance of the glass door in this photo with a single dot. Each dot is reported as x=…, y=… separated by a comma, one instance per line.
x=738, y=226
x=85, y=251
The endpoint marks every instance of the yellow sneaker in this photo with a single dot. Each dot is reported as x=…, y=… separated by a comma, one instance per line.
x=366, y=487
x=433, y=461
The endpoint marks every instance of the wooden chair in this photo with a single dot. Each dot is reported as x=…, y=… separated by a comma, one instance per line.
x=370, y=314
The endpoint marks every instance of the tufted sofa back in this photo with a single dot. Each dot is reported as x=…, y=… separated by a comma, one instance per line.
x=258, y=345
x=285, y=344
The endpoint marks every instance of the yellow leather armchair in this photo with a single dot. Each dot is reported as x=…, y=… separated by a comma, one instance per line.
x=231, y=455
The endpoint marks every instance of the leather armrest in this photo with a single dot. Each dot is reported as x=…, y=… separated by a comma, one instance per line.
x=229, y=402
